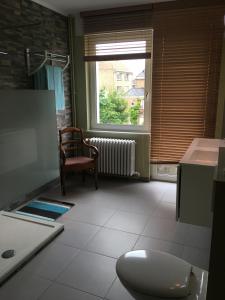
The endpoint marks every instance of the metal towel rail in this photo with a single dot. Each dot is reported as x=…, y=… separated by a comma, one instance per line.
x=47, y=56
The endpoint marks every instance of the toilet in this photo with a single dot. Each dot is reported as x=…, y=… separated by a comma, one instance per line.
x=161, y=276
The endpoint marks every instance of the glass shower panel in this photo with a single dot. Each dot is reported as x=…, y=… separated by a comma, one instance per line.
x=28, y=143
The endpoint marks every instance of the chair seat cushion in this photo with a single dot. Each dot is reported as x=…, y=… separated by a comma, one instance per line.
x=78, y=161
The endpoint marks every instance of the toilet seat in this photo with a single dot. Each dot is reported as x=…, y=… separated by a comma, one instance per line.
x=155, y=273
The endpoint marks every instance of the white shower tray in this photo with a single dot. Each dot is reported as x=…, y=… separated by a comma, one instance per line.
x=25, y=235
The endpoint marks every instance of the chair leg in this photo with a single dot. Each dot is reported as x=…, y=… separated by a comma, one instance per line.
x=96, y=177
x=62, y=183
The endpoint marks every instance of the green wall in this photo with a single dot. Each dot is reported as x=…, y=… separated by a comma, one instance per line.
x=80, y=85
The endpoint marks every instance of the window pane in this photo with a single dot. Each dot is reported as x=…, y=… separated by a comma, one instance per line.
x=120, y=92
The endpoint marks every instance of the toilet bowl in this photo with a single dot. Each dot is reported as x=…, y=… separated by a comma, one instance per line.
x=161, y=276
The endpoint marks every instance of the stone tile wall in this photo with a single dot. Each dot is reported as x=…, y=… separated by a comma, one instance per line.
x=25, y=24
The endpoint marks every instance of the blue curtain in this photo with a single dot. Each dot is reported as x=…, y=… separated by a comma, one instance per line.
x=51, y=78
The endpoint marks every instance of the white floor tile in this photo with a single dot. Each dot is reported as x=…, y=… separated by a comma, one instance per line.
x=119, y=292
x=77, y=234
x=152, y=191
x=139, y=205
x=96, y=215
x=164, y=229
x=129, y=222
x=111, y=242
x=109, y=200
x=90, y=272
x=166, y=210
x=50, y=262
x=146, y=243
x=60, y=292
x=90, y=199
x=23, y=286
x=155, y=186
x=125, y=209
x=160, y=228
x=170, y=193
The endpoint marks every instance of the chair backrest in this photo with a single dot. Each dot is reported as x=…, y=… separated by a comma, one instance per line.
x=71, y=140
x=70, y=131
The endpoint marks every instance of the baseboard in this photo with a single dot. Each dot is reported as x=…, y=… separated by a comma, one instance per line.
x=139, y=178
x=35, y=193
x=42, y=189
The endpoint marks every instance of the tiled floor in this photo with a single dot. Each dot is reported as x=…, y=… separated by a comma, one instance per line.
x=122, y=215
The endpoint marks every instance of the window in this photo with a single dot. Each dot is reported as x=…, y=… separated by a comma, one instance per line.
x=114, y=60
x=126, y=76
x=114, y=102
x=118, y=76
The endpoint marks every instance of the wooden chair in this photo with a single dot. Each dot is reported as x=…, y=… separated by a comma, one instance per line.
x=76, y=155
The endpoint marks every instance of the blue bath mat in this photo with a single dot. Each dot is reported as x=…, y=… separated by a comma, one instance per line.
x=43, y=209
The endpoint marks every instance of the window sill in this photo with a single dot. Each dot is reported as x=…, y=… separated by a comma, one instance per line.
x=120, y=128
x=111, y=132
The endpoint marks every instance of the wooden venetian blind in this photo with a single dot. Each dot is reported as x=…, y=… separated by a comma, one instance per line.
x=132, y=44
x=186, y=64
x=119, y=33
x=117, y=19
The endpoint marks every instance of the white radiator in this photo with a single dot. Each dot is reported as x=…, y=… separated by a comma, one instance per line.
x=116, y=156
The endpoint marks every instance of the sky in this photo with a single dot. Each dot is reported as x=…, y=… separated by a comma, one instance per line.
x=135, y=66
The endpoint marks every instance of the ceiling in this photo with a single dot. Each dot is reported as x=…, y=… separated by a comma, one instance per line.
x=74, y=6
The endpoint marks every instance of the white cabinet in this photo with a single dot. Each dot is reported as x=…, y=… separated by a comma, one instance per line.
x=195, y=194
x=196, y=173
